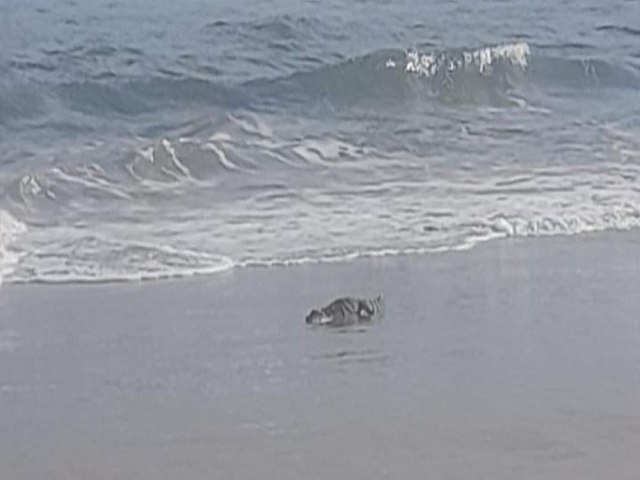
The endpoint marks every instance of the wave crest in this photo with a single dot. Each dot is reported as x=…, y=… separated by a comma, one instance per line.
x=387, y=77
x=482, y=60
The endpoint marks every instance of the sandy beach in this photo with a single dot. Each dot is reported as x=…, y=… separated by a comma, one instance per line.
x=517, y=359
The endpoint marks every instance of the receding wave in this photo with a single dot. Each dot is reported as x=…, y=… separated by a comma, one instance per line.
x=94, y=260
x=89, y=260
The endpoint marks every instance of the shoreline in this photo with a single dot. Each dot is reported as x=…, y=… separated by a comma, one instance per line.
x=499, y=243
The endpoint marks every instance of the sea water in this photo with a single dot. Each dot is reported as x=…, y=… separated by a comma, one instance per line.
x=147, y=139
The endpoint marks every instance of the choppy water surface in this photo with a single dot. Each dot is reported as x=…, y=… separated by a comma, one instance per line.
x=147, y=139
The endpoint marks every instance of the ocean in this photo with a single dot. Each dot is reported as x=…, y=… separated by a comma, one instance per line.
x=143, y=140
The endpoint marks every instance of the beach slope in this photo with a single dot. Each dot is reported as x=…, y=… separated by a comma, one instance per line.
x=518, y=359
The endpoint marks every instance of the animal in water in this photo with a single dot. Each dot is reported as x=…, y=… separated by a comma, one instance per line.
x=347, y=311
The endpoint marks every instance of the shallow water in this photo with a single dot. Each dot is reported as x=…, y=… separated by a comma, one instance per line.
x=149, y=139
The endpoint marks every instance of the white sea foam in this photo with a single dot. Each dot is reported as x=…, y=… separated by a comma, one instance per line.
x=480, y=60
x=220, y=155
x=10, y=230
x=29, y=186
x=424, y=64
x=174, y=158
x=91, y=181
x=253, y=125
x=94, y=260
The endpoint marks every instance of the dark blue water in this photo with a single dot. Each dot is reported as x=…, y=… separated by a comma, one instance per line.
x=145, y=139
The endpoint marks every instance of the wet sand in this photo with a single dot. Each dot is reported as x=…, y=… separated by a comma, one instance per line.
x=518, y=359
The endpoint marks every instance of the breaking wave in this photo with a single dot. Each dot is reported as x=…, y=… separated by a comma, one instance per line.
x=389, y=77
x=392, y=77
x=484, y=75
